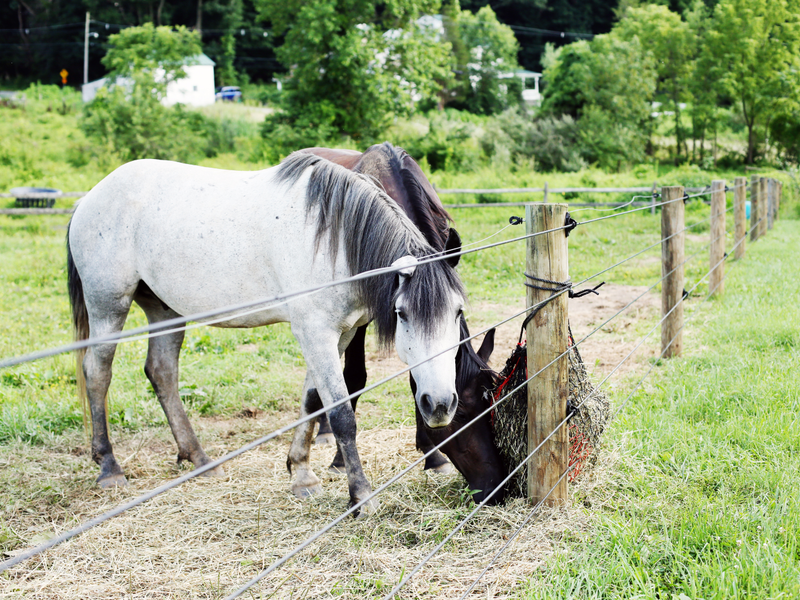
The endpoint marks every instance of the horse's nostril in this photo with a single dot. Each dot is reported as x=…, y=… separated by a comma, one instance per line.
x=453, y=403
x=426, y=405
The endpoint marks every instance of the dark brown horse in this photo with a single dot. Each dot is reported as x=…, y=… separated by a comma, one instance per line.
x=473, y=452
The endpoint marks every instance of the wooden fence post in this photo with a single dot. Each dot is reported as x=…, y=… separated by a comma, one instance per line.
x=672, y=251
x=771, y=192
x=778, y=199
x=547, y=333
x=739, y=216
x=755, y=189
x=653, y=199
x=716, y=277
x=763, y=206
x=545, y=192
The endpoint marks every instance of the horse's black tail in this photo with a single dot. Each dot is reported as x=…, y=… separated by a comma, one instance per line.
x=80, y=323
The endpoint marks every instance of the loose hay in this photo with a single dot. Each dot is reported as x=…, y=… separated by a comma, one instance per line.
x=209, y=536
x=589, y=407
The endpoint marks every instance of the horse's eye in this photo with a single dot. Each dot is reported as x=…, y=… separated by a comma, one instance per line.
x=401, y=314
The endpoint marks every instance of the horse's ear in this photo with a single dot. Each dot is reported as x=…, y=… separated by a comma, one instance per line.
x=487, y=346
x=408, y=264
x=453, y=244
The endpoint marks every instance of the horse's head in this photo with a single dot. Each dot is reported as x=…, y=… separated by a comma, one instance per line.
x=473, y=451
x=428, y=307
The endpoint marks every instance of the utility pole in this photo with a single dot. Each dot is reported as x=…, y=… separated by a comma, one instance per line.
x=86, y=51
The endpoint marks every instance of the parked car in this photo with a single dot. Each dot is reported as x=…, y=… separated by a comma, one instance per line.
x=231, y=93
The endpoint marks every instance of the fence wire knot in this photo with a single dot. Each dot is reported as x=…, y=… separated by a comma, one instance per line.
x=555, y=288
x=569, y=225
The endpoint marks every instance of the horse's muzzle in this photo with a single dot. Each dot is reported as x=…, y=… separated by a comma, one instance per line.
x=438, y=412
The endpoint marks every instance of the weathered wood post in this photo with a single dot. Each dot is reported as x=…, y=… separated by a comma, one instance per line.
x=763, y=206
x=755, y=189
x=739, y=216
x=653, y=199
x=718, y=230
x=771, y=192
x=546, y=193
x=672, y=250
x=547, y=338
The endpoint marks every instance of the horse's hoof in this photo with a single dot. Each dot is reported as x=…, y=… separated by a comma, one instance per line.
x=370, y=507
x=337, y=470
x=306, y=491
x=215, y=472
x=325, y=439
x=443, y=469
x=110, y=481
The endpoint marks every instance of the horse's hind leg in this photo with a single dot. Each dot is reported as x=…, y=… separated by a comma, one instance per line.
x=355, y=378
x=161, y=368
x=97, y=371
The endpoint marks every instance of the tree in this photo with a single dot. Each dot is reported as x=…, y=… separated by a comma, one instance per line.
x=670, y=42
x=130, y=118
x=492, y=51
x=753, y=45
x=606, y=86
x=354, y=63
x=153, y=57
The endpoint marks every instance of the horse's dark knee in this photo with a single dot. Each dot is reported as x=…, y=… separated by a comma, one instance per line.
x=343, y=422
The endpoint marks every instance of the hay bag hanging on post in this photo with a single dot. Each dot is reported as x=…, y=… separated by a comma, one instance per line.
x=587, y=405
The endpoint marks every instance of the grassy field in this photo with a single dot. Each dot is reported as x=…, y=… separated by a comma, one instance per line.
x=702, y=502
x=693, y=498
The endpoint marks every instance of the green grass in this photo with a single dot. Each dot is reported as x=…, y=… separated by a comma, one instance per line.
x=702, y=500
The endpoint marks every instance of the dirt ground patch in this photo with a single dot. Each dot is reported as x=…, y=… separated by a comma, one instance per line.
x=601, y=352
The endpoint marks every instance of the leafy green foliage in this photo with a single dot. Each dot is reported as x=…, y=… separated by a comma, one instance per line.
x=605, y=85
x=670, y=42
x=354, y=63
x=152, y=57
x=492, y=51
x=130, y=119
x=758, y=66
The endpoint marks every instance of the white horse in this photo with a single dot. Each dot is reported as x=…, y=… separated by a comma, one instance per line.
x=180, y=240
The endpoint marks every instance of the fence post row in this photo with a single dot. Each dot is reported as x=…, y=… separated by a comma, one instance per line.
x=672, y=251
x=755, y=192
x=718, y=230
x=739, y=216
x=763, y=197
x=547, y=338
x=770, y=201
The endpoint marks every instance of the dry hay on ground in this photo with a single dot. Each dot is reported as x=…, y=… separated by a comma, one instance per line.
x=211, y=535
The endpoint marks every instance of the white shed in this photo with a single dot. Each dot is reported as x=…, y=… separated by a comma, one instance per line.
x=531, y=95
x=196, y=89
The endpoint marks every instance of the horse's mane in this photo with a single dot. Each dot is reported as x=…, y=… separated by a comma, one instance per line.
x=427, y=212
x=348, y=206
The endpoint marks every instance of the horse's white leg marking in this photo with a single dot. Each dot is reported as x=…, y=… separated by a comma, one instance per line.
x=306, y=483
x=324, y=368
x=97, y=370
x=161, y=369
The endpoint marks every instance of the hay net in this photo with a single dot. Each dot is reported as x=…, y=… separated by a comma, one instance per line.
x=587, y=405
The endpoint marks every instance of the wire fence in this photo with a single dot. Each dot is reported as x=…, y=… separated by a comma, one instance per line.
x=229, y=312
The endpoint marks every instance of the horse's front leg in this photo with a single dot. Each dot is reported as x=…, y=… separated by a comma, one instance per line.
x=322, y=352
x=306, y=483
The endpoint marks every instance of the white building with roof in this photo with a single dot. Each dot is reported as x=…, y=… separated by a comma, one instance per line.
x=196, y=89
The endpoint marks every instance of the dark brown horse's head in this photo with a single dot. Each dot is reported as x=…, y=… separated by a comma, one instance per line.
x=473, y=451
